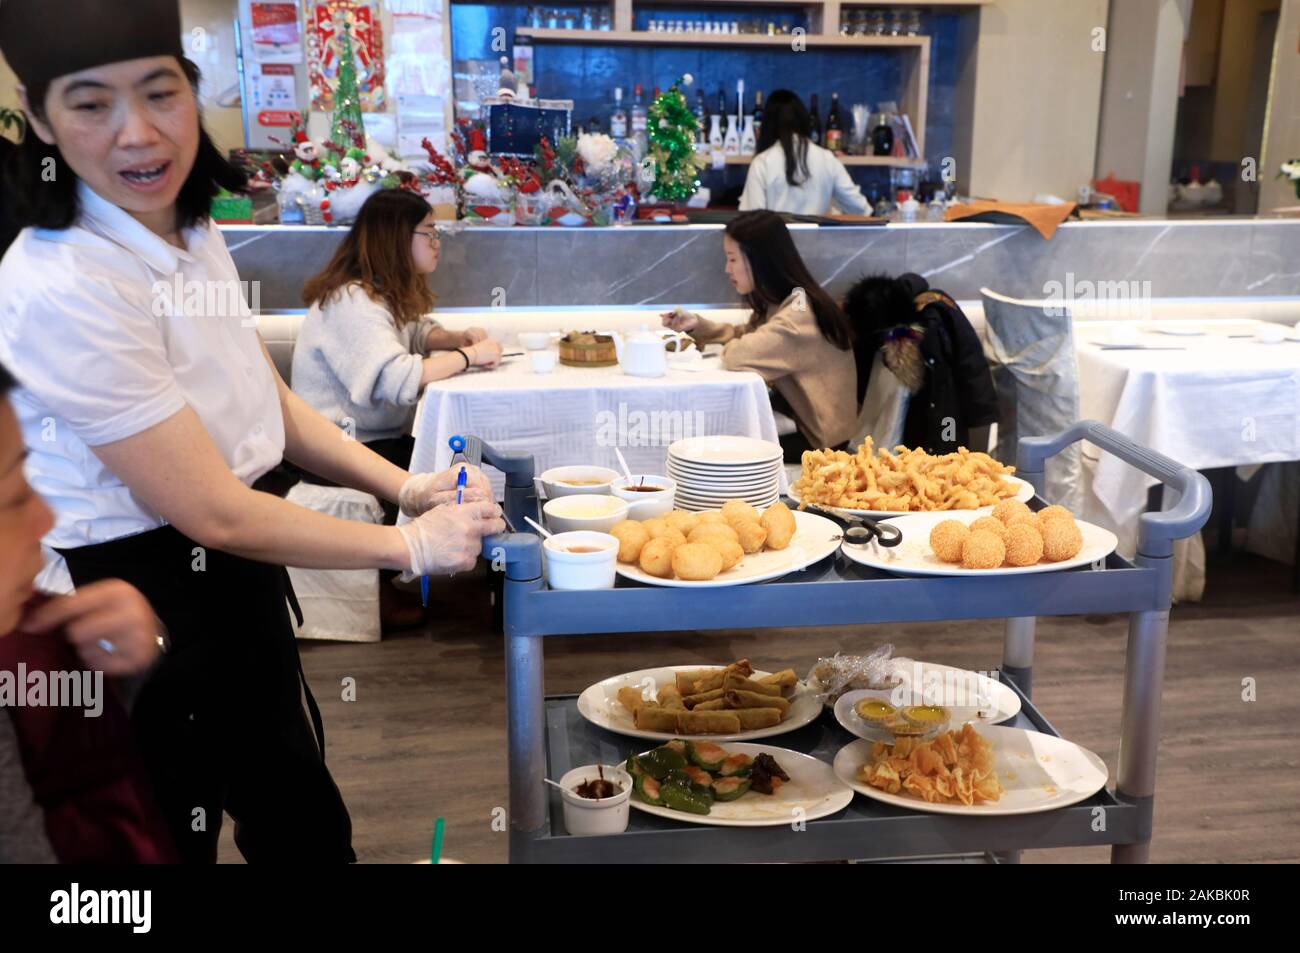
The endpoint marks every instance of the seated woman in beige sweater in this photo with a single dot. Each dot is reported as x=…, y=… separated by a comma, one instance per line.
x=797, y=338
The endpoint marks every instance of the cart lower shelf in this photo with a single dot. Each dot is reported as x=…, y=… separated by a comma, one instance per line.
x=865, y=830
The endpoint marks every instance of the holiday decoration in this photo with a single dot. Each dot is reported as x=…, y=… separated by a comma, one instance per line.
x=347, y=121
x=1291, y=170
x=672, y=130
x=325, y=61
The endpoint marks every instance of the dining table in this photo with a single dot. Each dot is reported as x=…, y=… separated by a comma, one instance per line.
x=1211, y=393
x=579, y=415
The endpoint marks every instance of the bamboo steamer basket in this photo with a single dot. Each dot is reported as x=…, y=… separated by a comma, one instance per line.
x=601, y=353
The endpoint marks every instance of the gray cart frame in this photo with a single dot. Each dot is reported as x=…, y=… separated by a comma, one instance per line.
x=546, y=737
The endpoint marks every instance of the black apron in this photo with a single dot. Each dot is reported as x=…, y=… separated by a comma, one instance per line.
x=220, y=720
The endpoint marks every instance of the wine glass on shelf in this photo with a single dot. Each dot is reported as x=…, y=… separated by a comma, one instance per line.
x=913, y=22
x=896, y=23
x=877, y=23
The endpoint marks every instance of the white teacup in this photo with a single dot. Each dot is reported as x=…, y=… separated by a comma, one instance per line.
x=599, y=514
x=580, y=560
x=543, y=362
x=586, y=816
x=1268, y=333
x=644, y=504
x=574, y=481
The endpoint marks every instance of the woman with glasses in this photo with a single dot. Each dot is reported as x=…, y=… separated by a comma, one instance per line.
x=367, y=347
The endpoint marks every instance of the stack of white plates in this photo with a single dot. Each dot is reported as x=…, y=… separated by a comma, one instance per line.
x=712, y=470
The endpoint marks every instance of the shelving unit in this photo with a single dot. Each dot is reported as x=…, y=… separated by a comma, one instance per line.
x=546, y=736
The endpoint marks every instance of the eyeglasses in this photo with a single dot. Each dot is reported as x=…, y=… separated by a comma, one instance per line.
x=432, y=236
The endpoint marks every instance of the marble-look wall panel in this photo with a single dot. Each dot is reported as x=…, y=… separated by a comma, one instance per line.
x=1274, y=259
x=484, y=267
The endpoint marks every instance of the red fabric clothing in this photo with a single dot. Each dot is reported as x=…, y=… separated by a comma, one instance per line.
x=84, y=772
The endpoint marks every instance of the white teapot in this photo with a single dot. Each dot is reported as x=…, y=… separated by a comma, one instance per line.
x=642, y=354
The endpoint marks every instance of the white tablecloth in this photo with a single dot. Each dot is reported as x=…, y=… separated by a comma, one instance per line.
x=1219, y=401
x=578, y=415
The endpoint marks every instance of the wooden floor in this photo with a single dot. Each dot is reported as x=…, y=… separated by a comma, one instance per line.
x=426, y=734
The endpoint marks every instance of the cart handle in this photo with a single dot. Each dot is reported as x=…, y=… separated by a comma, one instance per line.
x=1158, y=530
x=520, y=496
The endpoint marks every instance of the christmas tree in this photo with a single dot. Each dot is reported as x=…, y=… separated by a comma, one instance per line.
x=347, y=123
x=672, y=128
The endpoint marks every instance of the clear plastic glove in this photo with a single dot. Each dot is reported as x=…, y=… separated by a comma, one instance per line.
x=423, y=491
x=448, y=539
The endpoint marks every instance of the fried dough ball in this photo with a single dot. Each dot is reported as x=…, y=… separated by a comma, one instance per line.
x=708, y=531
x=992, y=525
x=729, y=549
x=946, y=540
x=631, y=537
x=982, y=550
x=1061, y=540
x=738, y=510
x=752, y=534
x=1024, y=544
x=1009, y=508
x=657, y=557
x=1054, y=512
x=780, y=525
x=696, y=561
x=660, y=527
x=682, y=521
x=712, y=516
x=1029, y=518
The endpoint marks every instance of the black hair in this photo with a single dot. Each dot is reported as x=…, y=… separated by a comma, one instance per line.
x=7, y=381
x=786, y=120
x=35, y=197
x=778, y=271
x=877, y=303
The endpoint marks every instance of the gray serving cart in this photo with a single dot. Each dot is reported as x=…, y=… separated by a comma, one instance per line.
x=547, y=736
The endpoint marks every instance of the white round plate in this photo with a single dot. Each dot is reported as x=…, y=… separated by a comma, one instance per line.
x=1024, y=493
x=969, y=696
x=1181, y=330
x=599, y=704
x=1037, y=772
x=709, y=479
x=710, y=485
x=710, y=496
x=690, y=507
x=728, y=451
x=913, y=556
x=813, y=790
x=815, y=538
x=755, y=473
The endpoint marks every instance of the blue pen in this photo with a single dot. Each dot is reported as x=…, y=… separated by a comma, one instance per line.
x=457, y=444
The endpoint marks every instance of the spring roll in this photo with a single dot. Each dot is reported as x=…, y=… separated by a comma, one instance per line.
x=707, y=722
x=654, y=718
x=717, y=679
x=787, y=681
x=630, y=698
x=738, y=683
x=718, y=704
x=686, y=680
x=690, y=701
x=670, y=697
x=754, y=718
x=754, y=700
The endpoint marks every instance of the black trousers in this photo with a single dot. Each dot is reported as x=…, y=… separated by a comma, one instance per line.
x=220, y=720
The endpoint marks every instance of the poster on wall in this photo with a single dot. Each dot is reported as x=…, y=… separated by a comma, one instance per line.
x=274, y=87
x=277, y=32
x=324, y=38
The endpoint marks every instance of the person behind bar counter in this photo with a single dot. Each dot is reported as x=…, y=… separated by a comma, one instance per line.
x=147, y=419
x=367, y=348
x=790, y=172
x=797, y=338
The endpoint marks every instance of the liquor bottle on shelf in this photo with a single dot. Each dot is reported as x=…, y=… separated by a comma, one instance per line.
x=640, y=141
x=834, y=128
x=722, y=101
x=731, y=141
x=618, y=118
x=882, y=137
x=701, y=117
x=758, y=113
x=715, y=133
x=748, y=141
x=816, y=122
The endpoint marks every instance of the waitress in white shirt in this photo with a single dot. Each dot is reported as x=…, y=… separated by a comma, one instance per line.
x=791, y=173
x=149, y=406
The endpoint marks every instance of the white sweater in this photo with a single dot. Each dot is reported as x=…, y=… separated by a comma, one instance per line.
x=354, y=365
x=766, y=187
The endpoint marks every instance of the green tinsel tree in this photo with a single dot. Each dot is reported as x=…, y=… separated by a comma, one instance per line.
x=672, y=128
x=346, y=121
